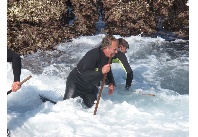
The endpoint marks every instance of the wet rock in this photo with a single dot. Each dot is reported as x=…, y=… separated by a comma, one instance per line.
x=41, y=25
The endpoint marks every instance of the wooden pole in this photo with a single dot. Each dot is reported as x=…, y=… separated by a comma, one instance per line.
x=100, y=93
x=148, y=94
x=20, y=83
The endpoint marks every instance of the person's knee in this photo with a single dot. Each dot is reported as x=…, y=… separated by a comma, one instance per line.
x=89, y=101
x=70, y=91
x=89, y=104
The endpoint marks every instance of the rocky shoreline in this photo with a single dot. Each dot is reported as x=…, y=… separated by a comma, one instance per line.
x=41, y=25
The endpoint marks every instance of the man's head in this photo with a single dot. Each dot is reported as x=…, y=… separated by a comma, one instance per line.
x=109, y=45
x=123, y=45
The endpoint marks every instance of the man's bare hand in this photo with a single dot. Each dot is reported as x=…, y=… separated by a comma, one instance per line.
x=16, y=86
x=106, y=68
x=111, y=89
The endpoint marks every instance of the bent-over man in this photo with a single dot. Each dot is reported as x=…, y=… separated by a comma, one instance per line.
x=120, y=57
x=83, y=79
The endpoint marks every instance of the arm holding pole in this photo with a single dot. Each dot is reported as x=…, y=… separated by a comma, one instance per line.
x=20, y=83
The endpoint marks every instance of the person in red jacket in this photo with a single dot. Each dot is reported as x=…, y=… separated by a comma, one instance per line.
x=15, y=59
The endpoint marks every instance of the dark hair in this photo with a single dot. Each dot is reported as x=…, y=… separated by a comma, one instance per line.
x=107, y=40
x=123, y=42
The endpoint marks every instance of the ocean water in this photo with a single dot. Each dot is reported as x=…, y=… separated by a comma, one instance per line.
x=161, y=68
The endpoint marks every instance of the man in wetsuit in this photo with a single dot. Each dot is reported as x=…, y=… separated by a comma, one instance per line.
x=15, y=59
x=120, y=57
x=83, y=79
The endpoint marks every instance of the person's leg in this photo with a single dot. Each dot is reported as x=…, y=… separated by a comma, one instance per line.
x=89, y=98
x=8, y=133
x=70, y=91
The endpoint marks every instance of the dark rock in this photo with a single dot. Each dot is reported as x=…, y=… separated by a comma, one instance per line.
x=41, y=25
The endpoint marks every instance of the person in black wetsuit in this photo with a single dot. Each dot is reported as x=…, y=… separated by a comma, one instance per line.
x=15, y=59
x=83, y=79
x=121, y=58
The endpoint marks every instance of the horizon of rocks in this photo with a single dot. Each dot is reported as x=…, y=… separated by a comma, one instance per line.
x=41, y=25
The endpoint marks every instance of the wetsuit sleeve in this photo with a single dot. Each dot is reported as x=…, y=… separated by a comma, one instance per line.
x=110, y=77
x=15, y=59
x=129, y=79
x=123, y=59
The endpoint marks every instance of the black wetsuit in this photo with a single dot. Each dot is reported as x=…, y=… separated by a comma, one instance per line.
x=123, y=59
x=83, y=80
x=16, y=63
